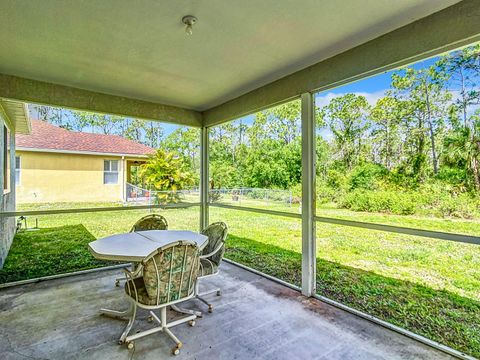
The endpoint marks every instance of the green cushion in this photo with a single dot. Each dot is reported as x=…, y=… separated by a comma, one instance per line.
x=143, y=297
x=207, y=267
x=217, y=233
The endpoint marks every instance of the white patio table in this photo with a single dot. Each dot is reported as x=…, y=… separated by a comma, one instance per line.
x=134, y=247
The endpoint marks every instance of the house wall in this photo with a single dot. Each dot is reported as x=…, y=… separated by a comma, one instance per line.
x=7, y=197
x=57, y=177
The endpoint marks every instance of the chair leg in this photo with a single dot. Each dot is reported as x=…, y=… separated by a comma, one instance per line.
x=163, y=320
x=118, y=314
x=200, y=296
x=186, y=311
x=124, y=335
x=163, y=327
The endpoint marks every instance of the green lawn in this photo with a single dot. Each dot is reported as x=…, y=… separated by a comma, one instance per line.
x=431, y=287
x=49, y=251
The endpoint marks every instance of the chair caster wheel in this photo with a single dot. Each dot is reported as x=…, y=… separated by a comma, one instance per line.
x=130, y=345
x=219, y=293
x=210, y=308
x=191, y=323
x=176, y=350
x=117, y=283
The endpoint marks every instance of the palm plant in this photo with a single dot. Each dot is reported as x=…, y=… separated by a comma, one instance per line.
x=462, y=148
x=165, y=173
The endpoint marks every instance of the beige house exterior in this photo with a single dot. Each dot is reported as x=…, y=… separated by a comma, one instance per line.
x=75, y=173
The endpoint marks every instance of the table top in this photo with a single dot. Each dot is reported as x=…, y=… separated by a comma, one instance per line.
x=135, y=246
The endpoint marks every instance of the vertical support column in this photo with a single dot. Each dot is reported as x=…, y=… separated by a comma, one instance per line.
x=13, y=166
x=204, y=178
x=2, y=159
x=308, y=195
x=122, y=169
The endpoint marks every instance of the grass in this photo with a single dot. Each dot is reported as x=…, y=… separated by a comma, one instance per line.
x=49, y=251
x=428, y=286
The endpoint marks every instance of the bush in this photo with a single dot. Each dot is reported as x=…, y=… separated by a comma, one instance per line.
x=325, y=193
x=367, y=176
x=462, y=206
x=336, y=179
x=380, y=201
x=435, y=199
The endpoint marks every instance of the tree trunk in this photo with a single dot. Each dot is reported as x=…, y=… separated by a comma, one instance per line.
x=434, y=151
x=432, y=132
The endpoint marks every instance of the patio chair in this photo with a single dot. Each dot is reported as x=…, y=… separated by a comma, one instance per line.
x=148, y=222
x=211, y=257
x=165, y=277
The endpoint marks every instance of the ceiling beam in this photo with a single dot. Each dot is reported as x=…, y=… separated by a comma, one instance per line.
x=453, y=27
x=39, y=92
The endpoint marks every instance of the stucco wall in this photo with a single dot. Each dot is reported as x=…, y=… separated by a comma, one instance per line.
x=7, y=227
x=7, y=199
x=55, y=177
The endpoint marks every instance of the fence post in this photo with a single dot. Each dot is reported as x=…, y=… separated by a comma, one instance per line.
x=308, y=195
x=204, y=178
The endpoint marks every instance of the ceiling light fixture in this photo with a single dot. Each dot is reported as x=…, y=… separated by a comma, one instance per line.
x=189, y=21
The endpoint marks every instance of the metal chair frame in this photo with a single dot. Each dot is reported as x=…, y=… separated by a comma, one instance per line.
x=198, y=295
x=159, y=217
x=163, y=324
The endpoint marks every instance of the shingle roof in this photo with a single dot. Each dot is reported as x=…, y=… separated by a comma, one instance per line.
x=50, y=137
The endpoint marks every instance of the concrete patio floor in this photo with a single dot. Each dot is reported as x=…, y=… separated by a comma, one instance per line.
x=255, y=318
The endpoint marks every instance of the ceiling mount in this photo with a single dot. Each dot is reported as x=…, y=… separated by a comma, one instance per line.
x=189, y=21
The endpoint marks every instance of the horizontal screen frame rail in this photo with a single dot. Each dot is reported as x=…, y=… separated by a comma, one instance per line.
x=439, y=235
x=468, y=239
x=97, y=209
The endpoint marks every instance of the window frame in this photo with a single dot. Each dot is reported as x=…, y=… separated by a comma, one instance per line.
x=18, y=170
x=110, y=171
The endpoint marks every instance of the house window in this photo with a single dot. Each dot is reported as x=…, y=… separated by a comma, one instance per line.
x=110, y=171
x=17, y=170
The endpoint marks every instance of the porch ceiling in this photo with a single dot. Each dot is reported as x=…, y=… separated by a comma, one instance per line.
x=140, y=50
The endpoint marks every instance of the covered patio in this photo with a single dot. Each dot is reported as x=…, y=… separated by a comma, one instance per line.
x=255, y=318
x=136, y=60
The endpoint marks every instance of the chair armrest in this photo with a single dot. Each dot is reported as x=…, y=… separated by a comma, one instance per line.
x=217, y=249
x=133, y=274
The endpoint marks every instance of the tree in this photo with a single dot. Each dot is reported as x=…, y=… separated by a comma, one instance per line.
x=165, y=172
x=347, y=118
x=462, y=71
x=385, y=118
x=424, y=92
x=154, y=133
x=186, y=143
x=281, y=122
